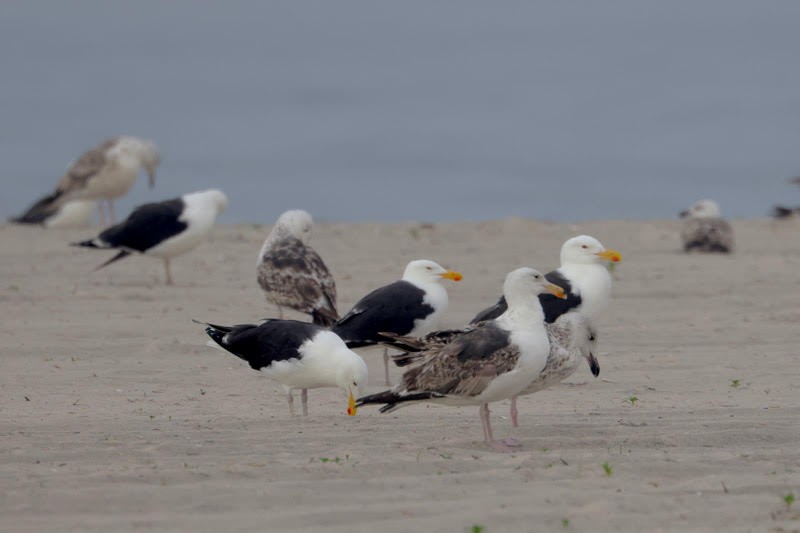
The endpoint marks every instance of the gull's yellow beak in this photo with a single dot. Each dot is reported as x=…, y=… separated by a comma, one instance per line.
x=611, y=255
x=452, y=274
x=556, y=291
x=351, y=404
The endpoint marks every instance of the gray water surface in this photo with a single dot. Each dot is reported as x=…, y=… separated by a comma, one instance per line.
x=413, y=110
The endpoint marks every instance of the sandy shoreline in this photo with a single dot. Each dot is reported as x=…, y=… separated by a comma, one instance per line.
x=114, y=415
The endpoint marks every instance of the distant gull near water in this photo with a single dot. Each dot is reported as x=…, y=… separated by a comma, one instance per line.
x=163, y=229
x=103, y=173
x=704, y=229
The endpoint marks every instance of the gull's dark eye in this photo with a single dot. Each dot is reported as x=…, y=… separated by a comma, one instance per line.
x=591, y=337
x=355, y=384
x=584, y=246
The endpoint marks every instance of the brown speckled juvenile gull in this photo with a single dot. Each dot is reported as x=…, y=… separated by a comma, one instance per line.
x=292, y=274
x=572, y=339
x=489, y=362
x=704, y=229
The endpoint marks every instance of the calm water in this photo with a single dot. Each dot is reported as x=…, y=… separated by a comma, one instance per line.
x=414, y=110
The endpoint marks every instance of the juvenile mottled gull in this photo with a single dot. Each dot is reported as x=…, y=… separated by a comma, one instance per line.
x=292, y=274
x=584, y=277
x=409, y=306
x=103, y=173
x=489, y=362
x=298, y=355
x=704, y=229
x=163, y=229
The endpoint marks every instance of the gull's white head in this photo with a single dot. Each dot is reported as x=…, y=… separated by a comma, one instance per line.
x=702, y=209
x=214, y=197
x=295, y=223
x=351, y=377
x=425, y=271
x=218, y=198
x=523, y=285
x=145, y=152
x=586, y=250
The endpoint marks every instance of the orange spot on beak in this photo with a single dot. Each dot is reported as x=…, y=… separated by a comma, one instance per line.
x=452, y=274
x=610, y=255
x=351, y=405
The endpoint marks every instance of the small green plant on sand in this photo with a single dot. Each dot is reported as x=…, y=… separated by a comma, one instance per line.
x=477, y=528
x=565, y=523
x=607, y=468
x=789, y=500
x=736, y=383
x=633, y=400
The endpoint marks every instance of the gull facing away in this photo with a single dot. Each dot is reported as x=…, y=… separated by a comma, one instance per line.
x=489, y=362
x=292, y=274
x=409, y=306
x=163, y=229
x=704, y=229
x=298, y=355
x=103, y=173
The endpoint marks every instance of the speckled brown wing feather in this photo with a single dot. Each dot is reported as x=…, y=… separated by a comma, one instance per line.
x=707, y=235
x=294, y=275
x=466, y=365
x=87, y=165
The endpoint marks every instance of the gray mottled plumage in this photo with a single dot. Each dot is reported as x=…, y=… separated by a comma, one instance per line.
x=572, y=338
x=465, y=365
x=707, y=235
x=292, y=274
x=704, y=229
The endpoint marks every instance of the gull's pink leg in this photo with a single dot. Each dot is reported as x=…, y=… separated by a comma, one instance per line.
x=386, y=366
x=514, y=412
x=496, y=445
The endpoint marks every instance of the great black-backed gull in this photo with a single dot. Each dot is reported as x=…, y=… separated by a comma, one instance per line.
x=704, y=229
x=582, y=274
x=409, y=306
x=492, y=361
x=105, y=172
x=298, y=355
x=292, y=274
x=163, y=229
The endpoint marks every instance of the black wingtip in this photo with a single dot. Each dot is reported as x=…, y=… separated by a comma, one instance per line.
x=117, y=257
x=215, y=334
x=594, y=366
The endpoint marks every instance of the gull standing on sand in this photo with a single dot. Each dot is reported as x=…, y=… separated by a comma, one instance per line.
x=489, y=362
x=584, y=277
x=163, y=229
x=298, y=355
x=704, y=229
x=103, y=173
x=292, y=274
x=572, y=339
x=409, y=306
